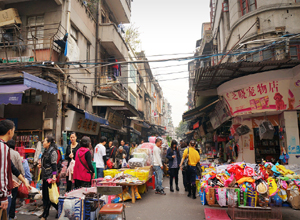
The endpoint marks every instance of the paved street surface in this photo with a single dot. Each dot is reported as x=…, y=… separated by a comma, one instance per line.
x=173, y=206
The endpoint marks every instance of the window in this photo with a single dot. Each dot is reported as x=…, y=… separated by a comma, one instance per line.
x=247, y=6
x=295, y=52
x=74, y=33
x=261, y=56
x=79, y=97
x=35, y=31
x=29, y=96
x=132, y=100
x=225, y=6
x=297, y=0
x=71, y=95
x=132, y=73
x=267, y=54
x=86, y=103
x=88, y=52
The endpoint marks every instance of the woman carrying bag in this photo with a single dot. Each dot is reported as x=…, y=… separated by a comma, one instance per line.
x=70, y=155
x=83, y=170
x=174, y=161
x=48, y=174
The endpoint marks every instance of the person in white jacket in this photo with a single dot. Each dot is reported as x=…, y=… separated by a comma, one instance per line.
x=158, y=167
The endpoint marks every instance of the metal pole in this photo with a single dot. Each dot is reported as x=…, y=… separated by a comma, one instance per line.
x=96, y=47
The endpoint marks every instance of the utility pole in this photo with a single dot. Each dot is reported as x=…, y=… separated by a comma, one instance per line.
x=97, y=47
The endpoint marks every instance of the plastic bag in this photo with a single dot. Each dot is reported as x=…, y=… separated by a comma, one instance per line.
x=53, y=193
x=136, y=192
x=124, y=163
x=22, y=191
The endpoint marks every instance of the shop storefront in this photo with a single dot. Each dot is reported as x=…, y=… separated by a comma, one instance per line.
x=84, y=124
x=265, y=102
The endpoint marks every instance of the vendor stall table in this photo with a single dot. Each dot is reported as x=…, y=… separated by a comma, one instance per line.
x=132, y=185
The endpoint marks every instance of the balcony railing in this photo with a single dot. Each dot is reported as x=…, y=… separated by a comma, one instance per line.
x=115, y=90
x=129, y=4
x=27, y=43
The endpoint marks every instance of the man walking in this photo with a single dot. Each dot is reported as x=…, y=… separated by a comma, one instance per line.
x=7, y=129
x=158, y=166
x=126, y=148
x=100, y=156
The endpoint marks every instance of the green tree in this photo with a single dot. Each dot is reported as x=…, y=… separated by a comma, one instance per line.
x=132, y=37
x=181, y=129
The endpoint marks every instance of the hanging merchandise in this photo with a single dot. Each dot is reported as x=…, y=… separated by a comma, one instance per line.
x=266, y=130
x=242, y=130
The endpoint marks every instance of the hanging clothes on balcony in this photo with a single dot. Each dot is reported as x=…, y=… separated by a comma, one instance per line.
x=116, y=69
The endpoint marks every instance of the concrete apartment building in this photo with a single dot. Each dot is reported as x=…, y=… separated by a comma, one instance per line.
x=248, y=54
x=60, y=70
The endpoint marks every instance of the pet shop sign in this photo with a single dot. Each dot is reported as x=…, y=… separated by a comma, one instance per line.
x=264, y=96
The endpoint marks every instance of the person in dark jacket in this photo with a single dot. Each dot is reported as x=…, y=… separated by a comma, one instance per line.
x=70, y=155
x=83, y=171
x=113, y=152
x=174, y=161
x=184, y=174
x=48, y=174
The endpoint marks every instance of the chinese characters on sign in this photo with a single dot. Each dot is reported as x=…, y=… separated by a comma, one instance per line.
x=270, y=95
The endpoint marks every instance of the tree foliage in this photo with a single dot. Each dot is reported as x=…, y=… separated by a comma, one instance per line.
x=181, y=129
x=132, y=37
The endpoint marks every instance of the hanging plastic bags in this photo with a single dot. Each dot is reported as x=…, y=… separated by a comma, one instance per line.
x=124, y=163
x=53, y=193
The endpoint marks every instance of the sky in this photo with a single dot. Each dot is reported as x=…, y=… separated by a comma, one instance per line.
x=170, y=27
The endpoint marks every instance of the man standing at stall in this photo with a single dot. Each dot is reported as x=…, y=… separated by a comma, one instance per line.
x=100, y=156
x=158, y=167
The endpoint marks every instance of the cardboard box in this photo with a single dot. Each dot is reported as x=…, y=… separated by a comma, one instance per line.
x=9, y=16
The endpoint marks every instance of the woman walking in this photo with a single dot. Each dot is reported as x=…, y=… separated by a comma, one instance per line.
x=48, y=174
x=112, y=153
x=193, y=159
x=83, y=170
x=183, y=146
x=70, y=155
x=174, y=161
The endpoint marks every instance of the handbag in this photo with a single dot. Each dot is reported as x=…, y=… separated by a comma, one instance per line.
x=109, y=163
x=22, y=191
x=186, y=162
x=89, y=171
x=199, y=170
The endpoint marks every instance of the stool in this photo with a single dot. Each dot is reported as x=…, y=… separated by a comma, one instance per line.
x=151, y=182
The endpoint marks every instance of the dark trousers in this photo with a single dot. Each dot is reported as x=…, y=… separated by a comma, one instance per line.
x=191, y=175
x=12, y=210
x=46, y=200
x=80, y=183
x=174, y=173
x=69, y=185
x=184, y=178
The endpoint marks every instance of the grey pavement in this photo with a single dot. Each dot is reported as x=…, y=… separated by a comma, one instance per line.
x=173, y=206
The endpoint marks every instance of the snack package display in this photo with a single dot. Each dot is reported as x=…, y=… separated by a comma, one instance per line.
x=136, y=162
x=233, y=197
x=221, y=196
x=251, y=198
x=210, y=196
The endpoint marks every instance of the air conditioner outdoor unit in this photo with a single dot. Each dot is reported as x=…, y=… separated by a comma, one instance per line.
x=48, y=124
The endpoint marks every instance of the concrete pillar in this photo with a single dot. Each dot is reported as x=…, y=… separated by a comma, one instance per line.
x=292, y=135
x=58, y=131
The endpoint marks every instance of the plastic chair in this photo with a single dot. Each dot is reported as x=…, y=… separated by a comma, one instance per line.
x=114, y=208
x=151, y=182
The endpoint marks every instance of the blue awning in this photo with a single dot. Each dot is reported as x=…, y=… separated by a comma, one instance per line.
x=40, y=84
x=95, y=118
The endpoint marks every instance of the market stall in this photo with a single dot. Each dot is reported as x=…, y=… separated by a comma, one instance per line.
x=244, y=186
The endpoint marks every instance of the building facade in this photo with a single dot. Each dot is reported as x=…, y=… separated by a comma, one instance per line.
x=246, y=73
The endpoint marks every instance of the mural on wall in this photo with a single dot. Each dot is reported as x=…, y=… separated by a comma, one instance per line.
x=274, y=95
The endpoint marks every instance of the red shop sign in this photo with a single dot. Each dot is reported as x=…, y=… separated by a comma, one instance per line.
x=196, y=125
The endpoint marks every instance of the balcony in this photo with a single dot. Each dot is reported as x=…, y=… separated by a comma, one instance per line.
x=121, y=10
x=28, y=44
x=113, y=42
x=115, y=90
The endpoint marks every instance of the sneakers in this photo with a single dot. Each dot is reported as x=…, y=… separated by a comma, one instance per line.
x=161, y=192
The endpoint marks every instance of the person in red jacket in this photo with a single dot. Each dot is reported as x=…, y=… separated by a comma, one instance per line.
x=83, y=171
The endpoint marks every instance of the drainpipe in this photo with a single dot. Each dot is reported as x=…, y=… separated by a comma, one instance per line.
x=97, y=47
x=68, y=16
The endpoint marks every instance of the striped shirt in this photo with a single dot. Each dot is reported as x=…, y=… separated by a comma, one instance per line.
x=3, y=171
